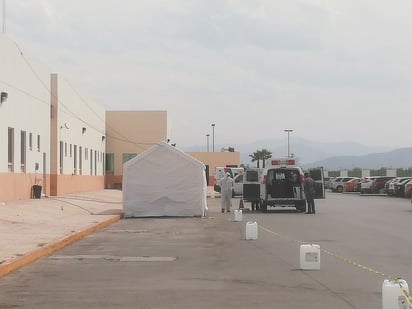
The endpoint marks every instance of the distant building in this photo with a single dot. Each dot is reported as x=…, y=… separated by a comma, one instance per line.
x=129, y=133
x=216, y=159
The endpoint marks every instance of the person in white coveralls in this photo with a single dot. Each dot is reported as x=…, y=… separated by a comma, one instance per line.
x=226, y=186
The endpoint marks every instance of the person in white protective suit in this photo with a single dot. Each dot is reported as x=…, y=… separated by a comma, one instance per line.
x=226, y=186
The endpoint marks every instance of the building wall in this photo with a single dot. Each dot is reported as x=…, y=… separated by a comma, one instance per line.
x=216, y=159
x=27, y=109
x=78, y=144
x=49, y=111
x=130, y=133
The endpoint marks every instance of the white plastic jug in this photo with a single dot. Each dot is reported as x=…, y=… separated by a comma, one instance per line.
x=392, y=295
x=310, y=257
x=238, y=215
x=251, y=230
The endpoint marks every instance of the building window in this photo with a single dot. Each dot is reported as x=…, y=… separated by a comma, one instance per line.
x=127, y=156
x=95, y=162
x=109, y=163
x=71, y=151
x=23, y=151
x=91, y=162
x=65, y=149
x=11, y=149
x=86, y=153
x=75, y=160
x=30, y=141
x=61, y=158
x=38, y=143
x=80, y=160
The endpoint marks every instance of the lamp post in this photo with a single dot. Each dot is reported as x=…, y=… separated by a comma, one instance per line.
x=213, y=137
x=288, y=131
x=207, y=138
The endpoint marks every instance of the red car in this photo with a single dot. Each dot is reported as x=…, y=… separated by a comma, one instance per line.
x=350, y=186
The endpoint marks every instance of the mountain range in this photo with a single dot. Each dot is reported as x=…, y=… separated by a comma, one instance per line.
x=332, y=156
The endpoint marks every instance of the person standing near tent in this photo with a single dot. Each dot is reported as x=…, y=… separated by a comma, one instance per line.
x=226, y=186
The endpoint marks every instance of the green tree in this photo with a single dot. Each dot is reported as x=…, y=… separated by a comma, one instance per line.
x=265, y=154
x=255, y=157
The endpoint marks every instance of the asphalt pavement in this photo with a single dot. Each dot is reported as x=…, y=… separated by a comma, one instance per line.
x=211, y=258
x=34, y=228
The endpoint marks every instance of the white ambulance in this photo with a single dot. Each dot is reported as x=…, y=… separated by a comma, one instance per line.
x=283, y=183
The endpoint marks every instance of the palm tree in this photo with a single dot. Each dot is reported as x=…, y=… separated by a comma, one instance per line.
x=265, y=154
x=255, y=157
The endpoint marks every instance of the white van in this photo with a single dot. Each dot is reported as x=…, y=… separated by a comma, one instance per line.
x=283, y=183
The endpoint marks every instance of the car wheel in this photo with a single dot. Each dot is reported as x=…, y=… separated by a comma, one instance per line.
x=339, y=189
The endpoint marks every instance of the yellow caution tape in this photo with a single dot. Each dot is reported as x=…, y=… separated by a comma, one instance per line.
x=404, y=292
x=393, y=279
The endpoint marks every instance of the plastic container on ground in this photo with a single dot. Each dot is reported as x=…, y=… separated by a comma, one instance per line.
x=251, y=230
x=392, y=295
x=310, y=257
x=238, y=215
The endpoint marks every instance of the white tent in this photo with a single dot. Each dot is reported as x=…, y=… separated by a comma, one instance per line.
x=164, y=181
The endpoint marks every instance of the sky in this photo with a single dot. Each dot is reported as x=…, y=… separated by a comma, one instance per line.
x=329, y=70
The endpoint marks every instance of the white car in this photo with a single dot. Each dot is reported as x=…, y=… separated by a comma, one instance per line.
x=339, y=184
x=366, y=184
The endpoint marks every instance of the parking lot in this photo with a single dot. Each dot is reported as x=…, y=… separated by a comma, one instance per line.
x=207, y=263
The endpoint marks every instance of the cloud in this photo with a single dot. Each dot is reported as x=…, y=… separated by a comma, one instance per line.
x=265, y=65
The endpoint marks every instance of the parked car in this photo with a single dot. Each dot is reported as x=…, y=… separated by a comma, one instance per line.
x=366, y=184
x=408, y=189
x=388, y=184
x=350, y=186
x=392, y=185
x=378, y=185
x=326, y=181
x=329, y=184
x=399, y=187
x=338, y=184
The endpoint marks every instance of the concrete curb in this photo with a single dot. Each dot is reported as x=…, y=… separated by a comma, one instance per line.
x=54, y=246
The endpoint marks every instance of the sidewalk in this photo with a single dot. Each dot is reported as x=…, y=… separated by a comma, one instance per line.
x=30, y=229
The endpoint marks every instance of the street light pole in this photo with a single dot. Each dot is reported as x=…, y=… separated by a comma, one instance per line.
x=288, y=131
x=207, y=137
x=213, y=137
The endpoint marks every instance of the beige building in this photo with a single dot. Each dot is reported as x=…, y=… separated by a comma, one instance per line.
x=216, y=159
x=129, y=133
